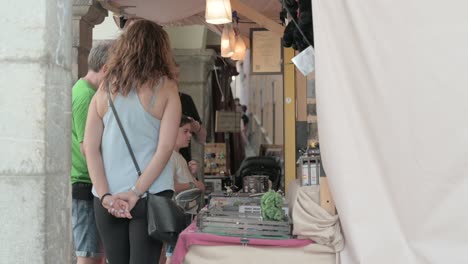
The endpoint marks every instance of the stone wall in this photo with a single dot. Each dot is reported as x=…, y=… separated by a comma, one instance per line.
x=35, y=72
x=86, y=14
x=195, y=80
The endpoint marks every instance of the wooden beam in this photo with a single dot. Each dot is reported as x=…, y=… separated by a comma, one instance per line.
x=301, y=95
x=289, y=118
x=257, y=17
x=311, y=76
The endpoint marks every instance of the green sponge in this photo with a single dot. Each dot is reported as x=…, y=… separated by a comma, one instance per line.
x=272, y=206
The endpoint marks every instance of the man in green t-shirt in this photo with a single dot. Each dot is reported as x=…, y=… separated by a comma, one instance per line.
x=88, y=247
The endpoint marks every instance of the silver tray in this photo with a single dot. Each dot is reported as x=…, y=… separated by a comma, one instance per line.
x=230, y=223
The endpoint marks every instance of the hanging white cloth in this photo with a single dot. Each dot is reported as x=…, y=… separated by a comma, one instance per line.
x=313, y=222
x=392, y=93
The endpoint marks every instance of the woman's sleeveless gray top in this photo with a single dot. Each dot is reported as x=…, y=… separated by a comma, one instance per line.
x=142, y=130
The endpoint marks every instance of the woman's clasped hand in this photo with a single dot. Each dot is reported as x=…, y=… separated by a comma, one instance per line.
x=120, y=205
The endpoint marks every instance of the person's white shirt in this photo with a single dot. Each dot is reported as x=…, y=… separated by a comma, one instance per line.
x=181, y=171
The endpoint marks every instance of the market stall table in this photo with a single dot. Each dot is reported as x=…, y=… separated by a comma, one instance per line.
x=195, y=247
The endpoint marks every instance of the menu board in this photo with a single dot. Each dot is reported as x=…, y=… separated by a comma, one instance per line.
x=227, y=121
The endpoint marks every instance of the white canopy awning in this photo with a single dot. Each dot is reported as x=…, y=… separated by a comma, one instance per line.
x=252, y=13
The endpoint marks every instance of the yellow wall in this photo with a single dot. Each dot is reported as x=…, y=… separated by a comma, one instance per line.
x=187, y=37
x=289, y=118
x=181, y=37
x=212, y=38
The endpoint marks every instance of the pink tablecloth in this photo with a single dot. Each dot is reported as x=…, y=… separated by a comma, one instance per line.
x=191, y=236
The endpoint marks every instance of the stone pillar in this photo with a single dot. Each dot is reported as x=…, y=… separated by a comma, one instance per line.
x=86, y=14
x=35, y=72
x=195, y=80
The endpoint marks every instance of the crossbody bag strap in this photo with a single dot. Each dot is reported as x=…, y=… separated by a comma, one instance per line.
x=123, y=131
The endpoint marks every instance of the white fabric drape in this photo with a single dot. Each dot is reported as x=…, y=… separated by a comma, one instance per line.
x=392, y=99
x=312, y=222
x=313, y=254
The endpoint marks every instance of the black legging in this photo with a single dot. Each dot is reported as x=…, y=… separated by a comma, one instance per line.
x=126, y=241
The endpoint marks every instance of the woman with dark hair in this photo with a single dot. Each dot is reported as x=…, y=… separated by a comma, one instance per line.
x=140, y=82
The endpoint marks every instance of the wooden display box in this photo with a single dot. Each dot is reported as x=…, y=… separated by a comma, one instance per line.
x=215, y=159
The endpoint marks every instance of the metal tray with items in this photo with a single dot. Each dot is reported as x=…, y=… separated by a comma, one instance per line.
x=229, y=223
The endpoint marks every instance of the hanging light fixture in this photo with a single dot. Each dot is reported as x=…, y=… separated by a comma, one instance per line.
x=228, y=41
x=239, y=49
x=218, y=11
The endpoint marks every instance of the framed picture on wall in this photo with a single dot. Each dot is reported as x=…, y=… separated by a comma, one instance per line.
x=266, y=52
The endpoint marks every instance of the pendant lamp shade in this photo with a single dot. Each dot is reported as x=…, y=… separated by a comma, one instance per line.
x=218, y=11
x=239, y=50
x=228, y=41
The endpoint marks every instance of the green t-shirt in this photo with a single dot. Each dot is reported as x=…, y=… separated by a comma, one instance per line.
x=82, y=94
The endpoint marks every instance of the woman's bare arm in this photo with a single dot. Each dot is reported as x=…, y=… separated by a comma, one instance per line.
x=92, y=146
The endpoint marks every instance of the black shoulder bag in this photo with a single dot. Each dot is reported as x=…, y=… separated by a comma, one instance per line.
x=165, y=218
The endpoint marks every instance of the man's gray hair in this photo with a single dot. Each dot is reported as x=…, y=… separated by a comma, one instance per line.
x=98, y=55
